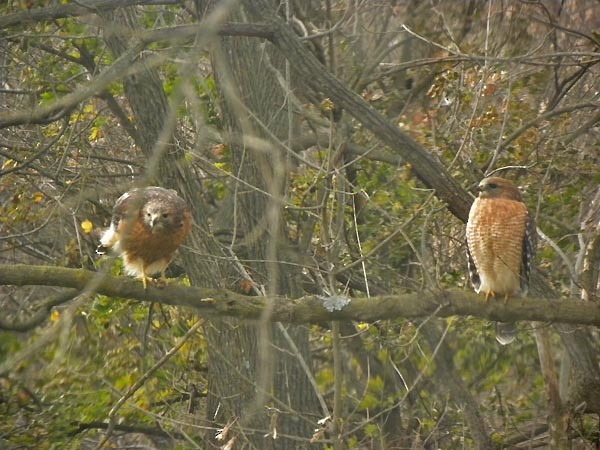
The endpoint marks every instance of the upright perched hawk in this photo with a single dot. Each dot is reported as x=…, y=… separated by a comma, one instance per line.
x=147, y=227
x=500, y=245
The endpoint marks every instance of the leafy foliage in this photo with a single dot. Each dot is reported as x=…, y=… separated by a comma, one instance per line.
x=484, y=86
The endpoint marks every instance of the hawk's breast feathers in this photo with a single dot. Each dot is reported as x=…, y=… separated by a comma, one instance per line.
x=496, y=237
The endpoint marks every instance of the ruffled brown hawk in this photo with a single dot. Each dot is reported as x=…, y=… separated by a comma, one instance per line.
x=147, y=227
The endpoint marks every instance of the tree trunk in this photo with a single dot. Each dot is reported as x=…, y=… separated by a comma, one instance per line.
x=257, y=373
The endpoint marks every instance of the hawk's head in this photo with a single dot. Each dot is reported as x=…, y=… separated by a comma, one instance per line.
x=160, y=216
x=496, y=187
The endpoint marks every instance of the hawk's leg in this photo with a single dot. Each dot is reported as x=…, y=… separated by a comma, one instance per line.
x=160, y=283
x=489, y=294
x=157, y=282
x=145, y=278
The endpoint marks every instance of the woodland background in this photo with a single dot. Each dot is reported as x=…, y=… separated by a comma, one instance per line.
x=328, y=149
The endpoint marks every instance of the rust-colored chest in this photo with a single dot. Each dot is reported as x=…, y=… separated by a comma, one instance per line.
x=495, y=233
x=140, y=242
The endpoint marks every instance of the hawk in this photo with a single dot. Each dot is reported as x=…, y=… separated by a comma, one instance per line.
x=147, y=227
x=500, y=245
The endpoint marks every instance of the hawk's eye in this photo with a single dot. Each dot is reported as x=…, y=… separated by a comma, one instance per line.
x=148, y=215
x=165, y=215
x=492, y=185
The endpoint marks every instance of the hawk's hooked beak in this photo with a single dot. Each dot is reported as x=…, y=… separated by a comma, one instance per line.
x=481, y=188
x=155, y=221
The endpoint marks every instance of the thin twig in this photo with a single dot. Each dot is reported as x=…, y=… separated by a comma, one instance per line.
x=138, y=384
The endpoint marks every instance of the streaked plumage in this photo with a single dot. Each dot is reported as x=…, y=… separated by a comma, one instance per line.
x=500, y=245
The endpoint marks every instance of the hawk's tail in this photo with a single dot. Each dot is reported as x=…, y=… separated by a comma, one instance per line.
x=505, y=332
x=108, y=241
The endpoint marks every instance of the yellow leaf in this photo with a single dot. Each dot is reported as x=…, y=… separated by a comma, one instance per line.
x=222, y=166
x=38, y=197
x=54, y=316
x=123, y=382
x=8, y=163
x=95, y=134
x=87, y=226
x=142, y=402
x=327, y=105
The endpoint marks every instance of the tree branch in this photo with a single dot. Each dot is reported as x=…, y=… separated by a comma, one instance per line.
x=426, y=165
x=143, y=429
x=47, y=113
x=124, y=66
x=40, y=314
x=75, y=9
x=308, y=309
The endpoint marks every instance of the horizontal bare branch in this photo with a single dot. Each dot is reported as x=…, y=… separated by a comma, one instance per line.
x=308, y=309
x=75, y=9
